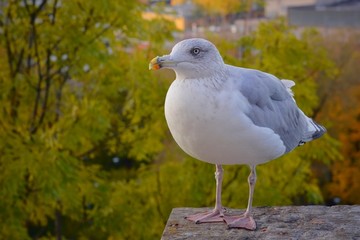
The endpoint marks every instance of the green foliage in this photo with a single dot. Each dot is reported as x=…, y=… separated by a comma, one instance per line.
x=74, y=85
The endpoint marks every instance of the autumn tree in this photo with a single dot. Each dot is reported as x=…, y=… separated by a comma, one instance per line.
x=74, y=84
x=341, y=100
x=345, y=181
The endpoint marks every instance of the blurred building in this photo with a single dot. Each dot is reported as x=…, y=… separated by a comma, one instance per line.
x=279, y=8
x=176, y=11
x=326, y=14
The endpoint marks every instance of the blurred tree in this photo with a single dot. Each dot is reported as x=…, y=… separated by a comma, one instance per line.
x=345, y=182
x=219, y=7
x=74, y=83
x=341, y=102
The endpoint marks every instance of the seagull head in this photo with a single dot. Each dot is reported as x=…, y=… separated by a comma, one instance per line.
x=190, y=58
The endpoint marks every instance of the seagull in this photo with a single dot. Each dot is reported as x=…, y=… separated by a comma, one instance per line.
x=225, y=115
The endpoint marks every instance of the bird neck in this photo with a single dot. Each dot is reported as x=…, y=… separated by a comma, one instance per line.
x=211, y=78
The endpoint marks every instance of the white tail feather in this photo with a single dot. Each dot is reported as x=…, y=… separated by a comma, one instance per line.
x=289, y=84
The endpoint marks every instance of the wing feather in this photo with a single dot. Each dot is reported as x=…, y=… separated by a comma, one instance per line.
x=273, y=106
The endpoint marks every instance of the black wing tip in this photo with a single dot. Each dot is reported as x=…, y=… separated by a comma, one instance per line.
x=320, y=132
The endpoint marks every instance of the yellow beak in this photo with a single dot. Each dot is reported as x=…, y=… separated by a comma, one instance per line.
x=154, y=64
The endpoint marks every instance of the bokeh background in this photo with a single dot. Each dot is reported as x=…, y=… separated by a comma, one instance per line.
x=85, y=152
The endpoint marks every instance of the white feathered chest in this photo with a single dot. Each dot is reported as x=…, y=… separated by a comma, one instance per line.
x=209, y=124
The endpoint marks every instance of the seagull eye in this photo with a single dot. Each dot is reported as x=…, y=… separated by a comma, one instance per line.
x=195, y=51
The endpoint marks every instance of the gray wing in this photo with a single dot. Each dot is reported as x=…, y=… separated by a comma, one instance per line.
x=273, y=107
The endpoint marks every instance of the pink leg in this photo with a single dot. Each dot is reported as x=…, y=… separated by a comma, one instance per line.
x=217, y=214
x=246, y=220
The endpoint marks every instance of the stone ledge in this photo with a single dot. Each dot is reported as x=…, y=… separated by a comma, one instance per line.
x=293, y=222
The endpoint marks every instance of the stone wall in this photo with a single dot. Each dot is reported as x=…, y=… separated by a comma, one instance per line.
x=294, y=222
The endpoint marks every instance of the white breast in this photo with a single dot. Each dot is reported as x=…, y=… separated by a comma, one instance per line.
x=211, y=125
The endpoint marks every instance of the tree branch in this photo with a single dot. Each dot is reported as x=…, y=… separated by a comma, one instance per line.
x=33, y=41
x=99, y=34
x=88, y=20
x=7, y=43
x=47, y=88
x=58, y=97
x=322, y=102
x=54, y=12
x=11, y=60
x=42, y=4
x=58, y=221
